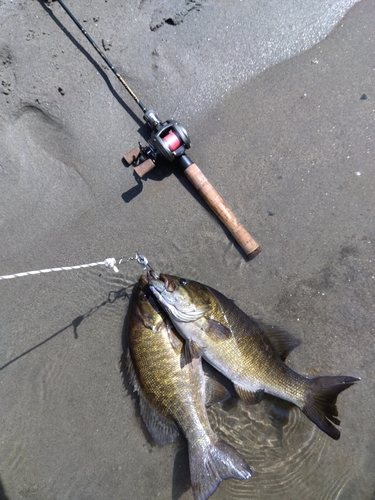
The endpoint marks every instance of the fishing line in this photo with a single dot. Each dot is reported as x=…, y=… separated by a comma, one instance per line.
x=110, y=263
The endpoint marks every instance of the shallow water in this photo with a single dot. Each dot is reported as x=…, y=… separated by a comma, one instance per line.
x=285, y=150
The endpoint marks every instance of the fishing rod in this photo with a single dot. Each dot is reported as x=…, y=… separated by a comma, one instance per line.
x=169, y=140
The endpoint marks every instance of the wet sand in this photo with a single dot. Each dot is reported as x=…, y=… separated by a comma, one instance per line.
x=291, y=148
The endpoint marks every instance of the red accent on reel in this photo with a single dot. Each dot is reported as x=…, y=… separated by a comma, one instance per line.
x=172, y=140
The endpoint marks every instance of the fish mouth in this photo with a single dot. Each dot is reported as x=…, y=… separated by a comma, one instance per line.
x=163, y=289
x=158, y=285
x=152, y=275
x=161, y=282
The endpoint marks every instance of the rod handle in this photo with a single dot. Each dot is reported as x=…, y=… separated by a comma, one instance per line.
x=221, y=209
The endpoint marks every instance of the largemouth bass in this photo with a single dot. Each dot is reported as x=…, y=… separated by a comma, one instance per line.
x=172, y=395
x=236, y=345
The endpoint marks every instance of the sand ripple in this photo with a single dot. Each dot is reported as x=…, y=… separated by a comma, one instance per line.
x=284, y=448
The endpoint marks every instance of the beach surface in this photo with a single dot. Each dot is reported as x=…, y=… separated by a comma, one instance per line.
x=279, y=104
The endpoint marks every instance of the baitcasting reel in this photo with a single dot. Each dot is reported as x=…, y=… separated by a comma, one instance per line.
x=168, y=139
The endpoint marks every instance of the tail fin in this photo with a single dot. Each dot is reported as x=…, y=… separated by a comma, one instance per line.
x=320, y=406
x=210, y=466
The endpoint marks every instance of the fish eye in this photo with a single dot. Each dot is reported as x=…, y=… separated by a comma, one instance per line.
x=183, y=282
x=144, y=297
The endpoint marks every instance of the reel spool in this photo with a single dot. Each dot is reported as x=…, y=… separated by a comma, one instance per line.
x=168, y=139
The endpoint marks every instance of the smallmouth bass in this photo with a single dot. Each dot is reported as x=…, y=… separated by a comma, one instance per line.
x=172, y=394
x=237, y=346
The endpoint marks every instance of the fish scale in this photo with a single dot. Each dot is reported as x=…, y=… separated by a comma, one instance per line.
x=172, y=394
x=244, y=351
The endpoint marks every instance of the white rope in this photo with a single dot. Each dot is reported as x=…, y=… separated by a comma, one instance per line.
x=110, y=262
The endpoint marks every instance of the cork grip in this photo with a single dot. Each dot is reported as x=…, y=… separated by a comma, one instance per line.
x=210, y=196
x=221, y=209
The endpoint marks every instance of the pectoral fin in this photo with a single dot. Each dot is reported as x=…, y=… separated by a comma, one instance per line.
x=250, y=397
x=217, y=330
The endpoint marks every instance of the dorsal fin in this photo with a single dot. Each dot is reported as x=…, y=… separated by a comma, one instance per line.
x=283, y=341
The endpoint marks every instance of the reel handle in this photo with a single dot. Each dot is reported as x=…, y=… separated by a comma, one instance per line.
x=221, y=210
x=143, y=167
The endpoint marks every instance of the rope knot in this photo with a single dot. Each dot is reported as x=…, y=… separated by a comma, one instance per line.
x=111, y=262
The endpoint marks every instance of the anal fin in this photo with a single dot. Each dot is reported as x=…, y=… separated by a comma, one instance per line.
x=250, y=397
